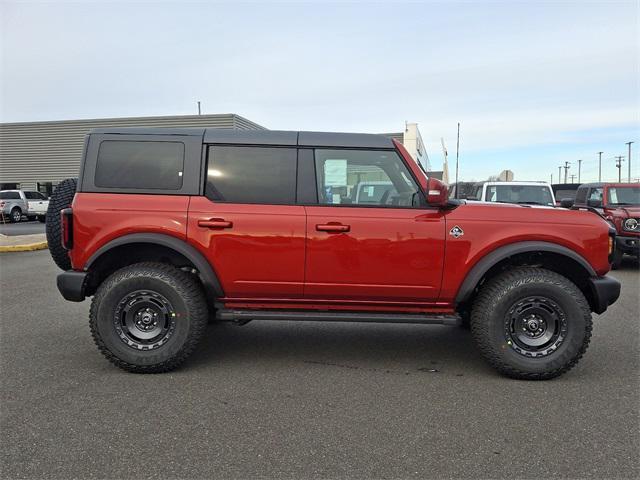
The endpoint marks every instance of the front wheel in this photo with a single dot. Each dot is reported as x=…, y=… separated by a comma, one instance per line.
x=148, y=317
x=531, y=323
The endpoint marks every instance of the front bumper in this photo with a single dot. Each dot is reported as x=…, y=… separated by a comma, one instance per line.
x=71, y=285
x=628, y=244
x=605, y=290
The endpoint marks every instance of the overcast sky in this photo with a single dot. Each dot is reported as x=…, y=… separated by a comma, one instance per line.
x=533, y=83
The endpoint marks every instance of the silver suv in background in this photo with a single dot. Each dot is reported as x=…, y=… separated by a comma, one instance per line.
x=18, y=204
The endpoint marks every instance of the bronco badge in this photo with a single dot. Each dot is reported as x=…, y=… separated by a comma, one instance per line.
x=456, y=232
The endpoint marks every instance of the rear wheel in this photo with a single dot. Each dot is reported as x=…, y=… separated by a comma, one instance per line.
x=148, y=317
x=531, y=323
x=16, y=215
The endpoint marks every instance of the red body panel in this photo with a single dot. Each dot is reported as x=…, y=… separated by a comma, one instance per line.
x=488, y=227
x=99, y=218
x=260, y=255
x=388, y=254
x=617, y=214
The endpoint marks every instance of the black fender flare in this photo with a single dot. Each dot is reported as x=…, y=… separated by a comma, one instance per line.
x=482, y=267
x=207, y=274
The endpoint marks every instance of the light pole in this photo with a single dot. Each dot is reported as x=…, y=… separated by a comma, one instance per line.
x=619, y=167
x=566, y=169
x=560, y=174
x=629, y=160
x=579, y=168
x=600, y=166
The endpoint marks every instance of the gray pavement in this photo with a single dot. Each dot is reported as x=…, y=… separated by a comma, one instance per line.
x=21, y=228
x=298, y=400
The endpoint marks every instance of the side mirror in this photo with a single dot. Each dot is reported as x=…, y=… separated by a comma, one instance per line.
x=437, y=193
x=594, y=203
x=566, y=203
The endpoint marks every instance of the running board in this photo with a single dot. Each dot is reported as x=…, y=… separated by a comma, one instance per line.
x=245, y=316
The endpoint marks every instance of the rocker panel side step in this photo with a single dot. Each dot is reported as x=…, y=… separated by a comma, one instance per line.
x=245, y=316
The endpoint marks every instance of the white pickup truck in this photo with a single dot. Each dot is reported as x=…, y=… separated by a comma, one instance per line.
x=18, y=204
x=527, y=193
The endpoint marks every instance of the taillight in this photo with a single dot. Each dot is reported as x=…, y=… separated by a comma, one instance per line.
x=66, y=223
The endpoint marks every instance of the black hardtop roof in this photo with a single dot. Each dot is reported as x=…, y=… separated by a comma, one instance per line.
x=262, y=137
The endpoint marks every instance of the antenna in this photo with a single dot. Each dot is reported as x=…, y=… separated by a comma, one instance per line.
x=457, y=156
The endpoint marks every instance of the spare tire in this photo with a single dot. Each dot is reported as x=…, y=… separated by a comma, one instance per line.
x=61, y=199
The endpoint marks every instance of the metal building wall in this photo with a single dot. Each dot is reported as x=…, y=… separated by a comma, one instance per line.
x=50, y=151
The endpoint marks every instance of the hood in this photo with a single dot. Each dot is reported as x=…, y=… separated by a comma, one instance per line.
x=628, y=211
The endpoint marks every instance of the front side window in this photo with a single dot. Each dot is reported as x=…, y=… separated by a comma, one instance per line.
x=623, y=195
x=524, y=194
x=34, y=196
x=364, y=177
x=140, y=165
x=265, y=175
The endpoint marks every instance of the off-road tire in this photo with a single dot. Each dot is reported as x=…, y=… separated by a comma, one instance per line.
x=60, y=199
x=490, y=314
x=15, y=215
x=180, y=288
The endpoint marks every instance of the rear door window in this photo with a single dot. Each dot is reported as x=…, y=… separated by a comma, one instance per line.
x=263, y=175
x=144, y=165
x=9, y=196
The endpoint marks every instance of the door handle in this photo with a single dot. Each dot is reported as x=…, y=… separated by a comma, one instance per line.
x=215, y=223
x=333, y=228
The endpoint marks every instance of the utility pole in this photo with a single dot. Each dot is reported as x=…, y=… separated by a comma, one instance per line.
x=199, y=112
x=619, y=167
x=551, y=179
x=572, y=177
x=566, y=169
x=579, y=168
x=560, y=174
x=600, y=166
x=629, y=160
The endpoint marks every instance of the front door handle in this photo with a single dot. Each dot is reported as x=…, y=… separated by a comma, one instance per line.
x=215, y=223
x=333, y=228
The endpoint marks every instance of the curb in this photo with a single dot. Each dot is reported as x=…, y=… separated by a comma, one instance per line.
x=23, y=248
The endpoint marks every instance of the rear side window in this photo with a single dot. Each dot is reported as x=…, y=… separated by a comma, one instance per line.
x=9, y=196
x=252, y=175
x=140, y=165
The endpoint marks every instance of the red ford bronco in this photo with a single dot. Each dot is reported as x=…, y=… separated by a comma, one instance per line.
x=619, y=204
x=170, y=229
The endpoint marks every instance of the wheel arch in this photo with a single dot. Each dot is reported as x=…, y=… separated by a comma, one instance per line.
x=552, y=256
x=138, y=247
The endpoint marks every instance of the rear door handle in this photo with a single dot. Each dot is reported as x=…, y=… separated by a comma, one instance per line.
x=333, y=228
x=215, y=223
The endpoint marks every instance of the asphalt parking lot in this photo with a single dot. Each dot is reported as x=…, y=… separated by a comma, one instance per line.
x=306, y=400
x=22, y=228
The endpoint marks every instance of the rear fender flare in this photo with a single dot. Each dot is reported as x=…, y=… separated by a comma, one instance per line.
x=207, y=274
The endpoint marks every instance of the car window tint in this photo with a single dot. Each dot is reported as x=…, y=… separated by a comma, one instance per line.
x=9, y=196
x=140, y=165
x=363, y=177
x=265, y=175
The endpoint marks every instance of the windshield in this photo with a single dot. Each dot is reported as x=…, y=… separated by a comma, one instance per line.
x=623, y=195
x=526, y=194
